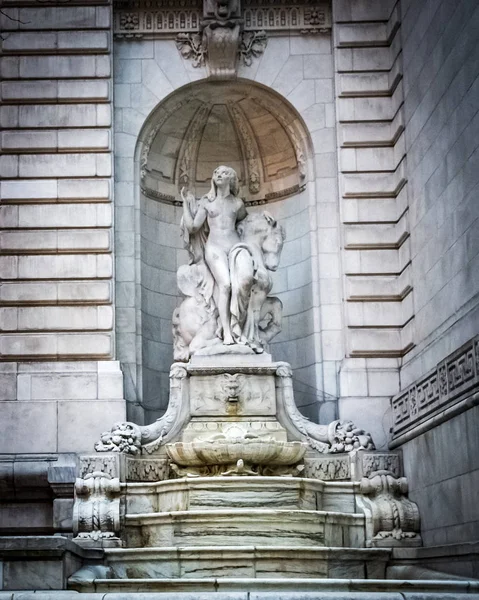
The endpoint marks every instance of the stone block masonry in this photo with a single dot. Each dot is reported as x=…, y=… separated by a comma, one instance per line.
x=56, y=298
x=372, y=165
x=378, y=292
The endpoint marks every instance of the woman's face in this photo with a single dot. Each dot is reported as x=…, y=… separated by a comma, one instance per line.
x=222, y=175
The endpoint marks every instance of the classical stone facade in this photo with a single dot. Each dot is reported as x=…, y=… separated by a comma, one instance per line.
x=354, y=125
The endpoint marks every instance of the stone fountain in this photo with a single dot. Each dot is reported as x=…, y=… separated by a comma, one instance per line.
x=233, y=481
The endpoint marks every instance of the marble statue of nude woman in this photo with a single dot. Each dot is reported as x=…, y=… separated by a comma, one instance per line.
x=216, y=216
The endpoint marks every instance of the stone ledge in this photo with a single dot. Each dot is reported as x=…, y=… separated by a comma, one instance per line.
x=42, y=547
x=222, y=595
x=35, y=476
x=287, y=589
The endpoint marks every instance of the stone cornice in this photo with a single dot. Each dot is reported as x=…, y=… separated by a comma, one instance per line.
x=166, y=18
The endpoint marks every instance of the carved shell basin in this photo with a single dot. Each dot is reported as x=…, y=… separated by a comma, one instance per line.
x=228, y=451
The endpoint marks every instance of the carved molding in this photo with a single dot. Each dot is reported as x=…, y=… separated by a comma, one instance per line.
x=443, y=387
x=337, y=468
x=163, y=18
x=95, y=463
x=378, y=461
x=240, y=468
x=147, y=469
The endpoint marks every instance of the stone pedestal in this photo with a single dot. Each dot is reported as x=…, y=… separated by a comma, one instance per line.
x=234, y=481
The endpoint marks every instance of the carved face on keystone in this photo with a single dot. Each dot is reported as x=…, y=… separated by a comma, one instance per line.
x=225, y=9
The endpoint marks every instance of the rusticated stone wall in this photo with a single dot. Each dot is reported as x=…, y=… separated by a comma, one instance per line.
x=436, y=417
x=59, y=387
x=373, y=191
x=441, y=88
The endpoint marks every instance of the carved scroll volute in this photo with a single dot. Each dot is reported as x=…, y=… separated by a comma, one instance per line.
x=156, y=434
x=391, y=518
x=96, y=512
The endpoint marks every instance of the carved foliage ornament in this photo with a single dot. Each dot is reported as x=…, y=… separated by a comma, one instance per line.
x=219, y=48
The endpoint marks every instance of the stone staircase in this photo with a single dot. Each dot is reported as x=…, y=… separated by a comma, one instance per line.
x=251, y=537
x=233, y=492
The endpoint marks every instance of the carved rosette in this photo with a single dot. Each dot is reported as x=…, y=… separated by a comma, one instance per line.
x=392, y=519
x=96, y=511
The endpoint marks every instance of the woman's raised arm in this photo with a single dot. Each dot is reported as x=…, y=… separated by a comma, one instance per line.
x=194, y=214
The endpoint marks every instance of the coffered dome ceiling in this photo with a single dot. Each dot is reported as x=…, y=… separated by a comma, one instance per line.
x=237, y=124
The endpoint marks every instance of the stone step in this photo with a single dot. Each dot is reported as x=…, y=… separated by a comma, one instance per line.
x=207, y=493
x=247, y=561
x=278, y=589
x=245, y=527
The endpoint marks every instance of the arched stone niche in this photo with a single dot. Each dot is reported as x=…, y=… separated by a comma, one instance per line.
x=254, y=130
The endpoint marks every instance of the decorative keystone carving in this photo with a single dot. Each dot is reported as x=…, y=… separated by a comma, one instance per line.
x=96, y=512
x=220, y=41
x=391, y=518
x=219, y=47
x=222, y=47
